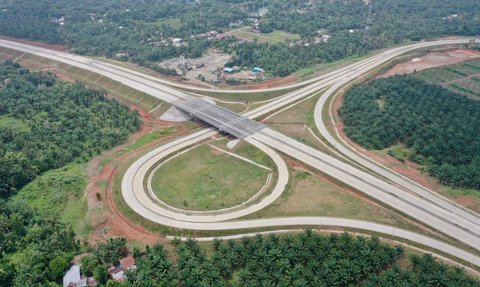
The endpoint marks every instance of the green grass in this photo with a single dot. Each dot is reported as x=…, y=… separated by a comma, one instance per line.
x=239, y=97
x=150, y=137
x=330, y=66
x=204, y=179
x=253, y=153
x=103, y=184
x=399, y=151
x=13, y=123
x=59, y=193
x=461, y=192
x=311, y=195
x=175, y=23
x=282, y=36
x=277, y=36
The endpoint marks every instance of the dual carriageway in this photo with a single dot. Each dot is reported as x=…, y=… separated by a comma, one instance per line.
x=361, y=173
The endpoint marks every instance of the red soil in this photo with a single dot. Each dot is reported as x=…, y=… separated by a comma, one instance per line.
x=112, y=222
x=431, y=60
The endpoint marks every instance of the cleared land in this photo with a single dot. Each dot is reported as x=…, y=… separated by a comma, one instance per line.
x=458, y=70
x=175, y=23
x=463, y=78
x=276, y=36
x=431, y=60
x=205, y=179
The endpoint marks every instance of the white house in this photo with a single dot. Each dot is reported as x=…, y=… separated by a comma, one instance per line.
x=72, y=278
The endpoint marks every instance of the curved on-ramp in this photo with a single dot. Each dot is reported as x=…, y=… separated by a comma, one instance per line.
x=136, y=197
x=133, y=187
x=400, y=180
x=167, y=94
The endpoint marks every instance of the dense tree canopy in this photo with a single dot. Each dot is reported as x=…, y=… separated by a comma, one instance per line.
x=43, y=247
x=46, y=123
x=306, y=259
x=131, y=28
x=441, y=128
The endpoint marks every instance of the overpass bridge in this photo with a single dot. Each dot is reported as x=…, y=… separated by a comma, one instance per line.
x=223, y=119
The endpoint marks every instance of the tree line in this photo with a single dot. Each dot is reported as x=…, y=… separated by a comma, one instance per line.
x=305, y=259
x=439, y=126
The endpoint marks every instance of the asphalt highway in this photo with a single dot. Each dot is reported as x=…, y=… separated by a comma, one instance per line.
x=401, y=181
x=434, y=211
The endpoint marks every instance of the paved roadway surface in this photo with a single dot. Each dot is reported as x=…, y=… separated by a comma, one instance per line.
x=453, y=224
x=401, y=181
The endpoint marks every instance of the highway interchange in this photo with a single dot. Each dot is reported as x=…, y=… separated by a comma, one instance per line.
x=364, y=175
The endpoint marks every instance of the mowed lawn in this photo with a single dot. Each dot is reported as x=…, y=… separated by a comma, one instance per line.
x=206, y=179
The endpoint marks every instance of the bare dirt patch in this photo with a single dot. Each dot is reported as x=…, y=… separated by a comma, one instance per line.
x=431, y=60
x=207, y=65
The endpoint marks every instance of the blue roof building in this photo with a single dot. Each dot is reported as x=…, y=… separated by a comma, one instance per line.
x=257, y=70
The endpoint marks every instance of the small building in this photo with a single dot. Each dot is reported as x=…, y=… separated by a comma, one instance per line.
x=128, y=263
x=228, y=70
x=118, y=274
x=73, y=279
x=257, y=70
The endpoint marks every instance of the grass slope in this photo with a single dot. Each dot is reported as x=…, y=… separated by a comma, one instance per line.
x=59, y=193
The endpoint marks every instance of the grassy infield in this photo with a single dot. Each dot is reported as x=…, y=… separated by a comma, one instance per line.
x=61, y=191
x=204, y=179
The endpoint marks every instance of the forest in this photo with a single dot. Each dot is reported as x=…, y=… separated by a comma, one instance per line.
x=131, y=29
x=46, y=123
x=303, y=260
x=439, y=127
x=34, y=250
